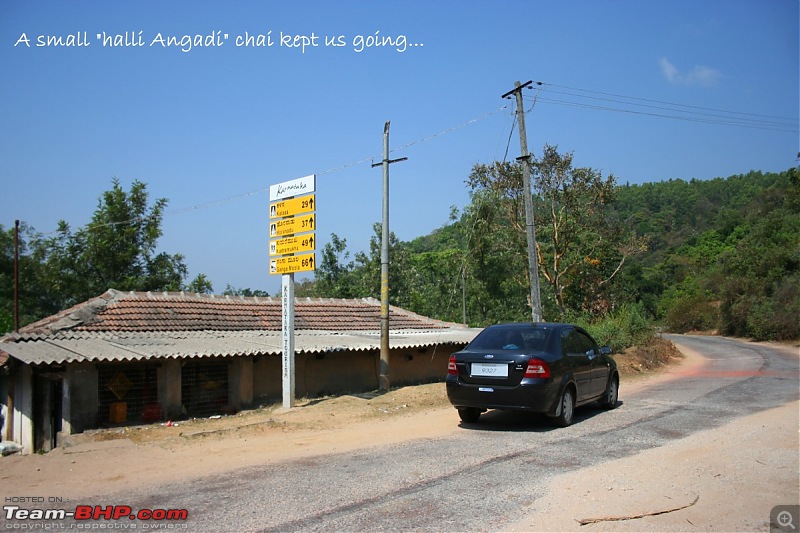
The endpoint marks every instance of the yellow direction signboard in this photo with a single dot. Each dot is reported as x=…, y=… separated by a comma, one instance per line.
x=290, y=226
x=292, y=245
x=292, y=263
x=293, y=206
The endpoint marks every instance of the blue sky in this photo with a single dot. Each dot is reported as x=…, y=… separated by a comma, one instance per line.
x=646, y=91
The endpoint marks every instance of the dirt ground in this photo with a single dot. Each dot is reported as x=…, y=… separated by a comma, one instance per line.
x=101, y=462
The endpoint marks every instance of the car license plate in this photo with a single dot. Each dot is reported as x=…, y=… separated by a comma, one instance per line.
x=490, y=369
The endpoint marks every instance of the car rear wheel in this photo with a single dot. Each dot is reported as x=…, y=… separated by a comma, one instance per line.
x=611, y=397
x=566, y=409
x=469, y=415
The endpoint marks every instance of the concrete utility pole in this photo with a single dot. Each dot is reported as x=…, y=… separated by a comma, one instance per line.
x=383, y=373
x=533, y=263
x=287, y=340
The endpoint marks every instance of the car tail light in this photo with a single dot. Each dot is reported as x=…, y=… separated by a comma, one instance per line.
x=451, y=366
x=537, y=369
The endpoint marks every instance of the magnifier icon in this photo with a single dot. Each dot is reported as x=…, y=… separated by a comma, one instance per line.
x=785, y=519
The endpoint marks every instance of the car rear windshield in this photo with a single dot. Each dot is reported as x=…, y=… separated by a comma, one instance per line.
x=511, y=338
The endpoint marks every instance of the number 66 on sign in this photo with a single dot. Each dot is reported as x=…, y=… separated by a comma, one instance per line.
x=292, y=264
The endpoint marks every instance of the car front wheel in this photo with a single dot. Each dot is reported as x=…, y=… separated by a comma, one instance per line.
x=469, y=415
x=566, y=410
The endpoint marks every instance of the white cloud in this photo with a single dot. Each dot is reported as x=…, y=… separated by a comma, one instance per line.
x=699, y=75
x=669, y=70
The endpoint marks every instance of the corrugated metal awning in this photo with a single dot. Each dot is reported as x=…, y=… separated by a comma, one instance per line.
x=133, y=346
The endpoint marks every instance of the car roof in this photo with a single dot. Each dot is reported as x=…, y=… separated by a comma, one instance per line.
x=543, y=325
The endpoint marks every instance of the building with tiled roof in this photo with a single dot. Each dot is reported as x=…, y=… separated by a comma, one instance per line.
x=132, y=357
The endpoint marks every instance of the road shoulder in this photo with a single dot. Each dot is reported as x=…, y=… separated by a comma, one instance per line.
x=722, y=479
x=734, y=474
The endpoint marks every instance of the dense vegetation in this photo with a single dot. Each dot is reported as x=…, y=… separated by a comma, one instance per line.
x=117, y=249
x=723, y=254
x=718, y=255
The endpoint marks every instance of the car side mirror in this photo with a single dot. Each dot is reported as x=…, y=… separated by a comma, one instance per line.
x=605, y=350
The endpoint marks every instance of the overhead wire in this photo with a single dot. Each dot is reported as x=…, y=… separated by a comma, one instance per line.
x=338, y=168
x=617, y=103
x=510, y=133
x=688, y=106
x=684, y=112
x=472, y=229
x=675, y=111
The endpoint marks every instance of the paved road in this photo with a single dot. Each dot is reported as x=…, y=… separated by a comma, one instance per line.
x=480, y=478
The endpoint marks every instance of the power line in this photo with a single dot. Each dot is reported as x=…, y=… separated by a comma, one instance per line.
x=676, y=111
x=510, y=134
x=452, y=129
x=686, y=112
x=242, y=196
x=683, y=112
x=663, y=102
x=471, y=231
x=720, y=121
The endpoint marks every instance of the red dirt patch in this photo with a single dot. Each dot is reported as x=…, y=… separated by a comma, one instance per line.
x=640, y=360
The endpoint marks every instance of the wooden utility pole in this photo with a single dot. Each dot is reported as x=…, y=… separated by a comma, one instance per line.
x=383, y=371
x=16, y=276
x=533, y=263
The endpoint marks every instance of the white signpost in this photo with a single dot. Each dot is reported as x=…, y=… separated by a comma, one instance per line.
x=288, y=189
x=285, y=226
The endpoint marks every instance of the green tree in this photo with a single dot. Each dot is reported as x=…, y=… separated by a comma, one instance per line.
x=247, y=292
x=117, y=249
x=200, y=284
x=334, y=276
x=495, y=270
x=724, y=253
x=339, y=277
x=759, y=278
x=580, y=249
x=35, y=297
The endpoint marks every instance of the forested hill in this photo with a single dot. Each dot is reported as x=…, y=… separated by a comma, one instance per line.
x=723, y=254
x=670, y=212
x=717, y=255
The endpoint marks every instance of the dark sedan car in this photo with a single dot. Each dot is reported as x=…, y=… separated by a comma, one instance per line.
x=542, y=367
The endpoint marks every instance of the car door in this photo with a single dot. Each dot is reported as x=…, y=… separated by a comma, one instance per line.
x=573, y=347
x=600, y=370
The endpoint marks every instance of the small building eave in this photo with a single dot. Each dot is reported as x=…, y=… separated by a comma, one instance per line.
x=142, y=346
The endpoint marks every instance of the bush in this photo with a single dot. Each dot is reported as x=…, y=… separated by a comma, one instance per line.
x=622, y=329
x=693, y=313
x=6, y=322
x=776, y=318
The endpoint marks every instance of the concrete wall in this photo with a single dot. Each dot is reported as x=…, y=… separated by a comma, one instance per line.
x=335, y=373
x=267, y=378
x=419, y=365
x=240, y=383
x=316, y=375
x=21, y=419
x=348, y=372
